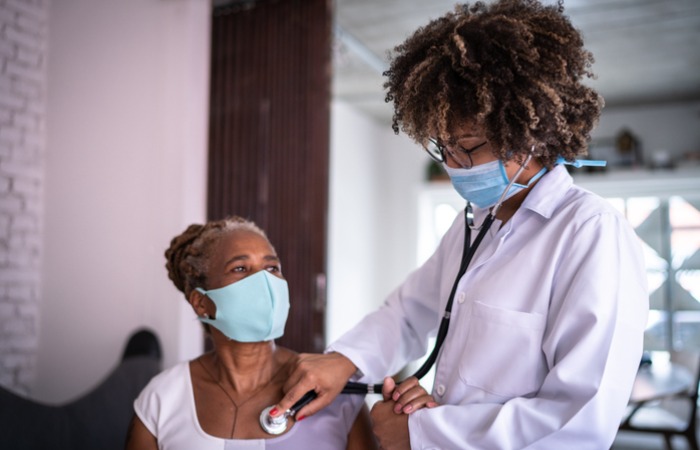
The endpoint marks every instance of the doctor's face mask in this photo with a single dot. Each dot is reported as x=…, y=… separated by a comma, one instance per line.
x=253, y=309
x=483, y=184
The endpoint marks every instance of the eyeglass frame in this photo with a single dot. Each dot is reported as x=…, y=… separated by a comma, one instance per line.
x=437, y=152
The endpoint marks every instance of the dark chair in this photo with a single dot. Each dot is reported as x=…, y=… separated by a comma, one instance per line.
x=674, y=415
x=97, y=420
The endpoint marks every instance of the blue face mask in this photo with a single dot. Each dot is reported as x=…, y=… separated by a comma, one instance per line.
x=483, y=185
x=253, y=309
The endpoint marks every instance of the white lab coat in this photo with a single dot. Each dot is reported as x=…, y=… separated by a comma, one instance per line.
x=546, y=332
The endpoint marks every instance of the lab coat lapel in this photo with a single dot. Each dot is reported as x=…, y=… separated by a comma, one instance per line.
x=492, y=241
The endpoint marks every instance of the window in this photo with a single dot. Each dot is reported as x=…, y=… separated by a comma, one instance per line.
x=669, y=229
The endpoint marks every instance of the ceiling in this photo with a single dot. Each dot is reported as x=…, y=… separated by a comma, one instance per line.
x=646, y=51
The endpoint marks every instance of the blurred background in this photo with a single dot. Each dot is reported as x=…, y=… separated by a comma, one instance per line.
x=123, y=122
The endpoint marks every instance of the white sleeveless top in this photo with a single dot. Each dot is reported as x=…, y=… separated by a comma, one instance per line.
x=166, y=407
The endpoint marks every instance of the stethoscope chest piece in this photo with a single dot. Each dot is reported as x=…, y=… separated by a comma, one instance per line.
x=273, y=425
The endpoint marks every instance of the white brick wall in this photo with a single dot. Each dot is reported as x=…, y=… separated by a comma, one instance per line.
x=23, y=55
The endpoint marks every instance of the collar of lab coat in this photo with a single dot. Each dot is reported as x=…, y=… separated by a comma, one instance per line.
x=549, y=192
x=544, y=197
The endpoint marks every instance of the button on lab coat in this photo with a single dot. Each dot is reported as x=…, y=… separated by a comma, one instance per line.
x=546, y=331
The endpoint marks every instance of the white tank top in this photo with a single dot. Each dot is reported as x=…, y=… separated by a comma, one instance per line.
x=166, y=407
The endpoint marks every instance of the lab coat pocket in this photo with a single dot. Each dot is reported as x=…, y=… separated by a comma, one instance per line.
x=503, y=351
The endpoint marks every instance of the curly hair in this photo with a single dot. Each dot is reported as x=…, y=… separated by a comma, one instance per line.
x=189, y=252
x=513, y=67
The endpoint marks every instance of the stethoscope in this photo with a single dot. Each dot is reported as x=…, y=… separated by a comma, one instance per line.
x=278, y=425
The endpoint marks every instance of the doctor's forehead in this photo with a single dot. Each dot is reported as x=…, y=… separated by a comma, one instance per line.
x=461, y=129
x=467, y=128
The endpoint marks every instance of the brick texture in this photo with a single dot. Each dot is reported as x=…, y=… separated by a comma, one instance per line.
x=23, y=55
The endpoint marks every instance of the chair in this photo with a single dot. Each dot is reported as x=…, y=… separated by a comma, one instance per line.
x=97, y=420
x=674, y=415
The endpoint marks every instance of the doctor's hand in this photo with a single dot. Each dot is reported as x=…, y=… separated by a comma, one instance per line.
x=409, y=396
x=326, y=374
x=391, y=429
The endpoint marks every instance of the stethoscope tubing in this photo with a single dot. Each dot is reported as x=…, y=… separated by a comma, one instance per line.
x=468, y=251
x=467, y=254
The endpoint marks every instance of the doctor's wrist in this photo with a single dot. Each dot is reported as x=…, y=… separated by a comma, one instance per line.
x=343, y=365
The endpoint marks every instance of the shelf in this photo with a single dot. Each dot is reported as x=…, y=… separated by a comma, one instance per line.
x=640, y=183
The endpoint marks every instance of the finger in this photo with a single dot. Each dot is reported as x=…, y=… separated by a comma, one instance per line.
x=324, y=374
x=404, y=386
x=410, y=394
x=424, y=401
x=316, y=405
x=298, y=383
x=413, y=399
x=388, y=387
x=294, y=394
x=405, y=393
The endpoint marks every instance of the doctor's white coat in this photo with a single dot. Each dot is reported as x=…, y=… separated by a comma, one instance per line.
x=546, y=332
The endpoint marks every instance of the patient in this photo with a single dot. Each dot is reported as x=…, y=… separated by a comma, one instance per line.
x=231, y=276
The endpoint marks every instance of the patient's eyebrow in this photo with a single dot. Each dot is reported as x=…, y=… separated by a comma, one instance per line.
x=247, y=257
x=237, y=258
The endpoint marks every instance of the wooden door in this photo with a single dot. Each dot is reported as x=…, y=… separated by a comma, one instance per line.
x=269, y=139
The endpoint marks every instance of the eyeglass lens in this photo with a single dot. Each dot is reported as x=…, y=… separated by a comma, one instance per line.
x=437, y=152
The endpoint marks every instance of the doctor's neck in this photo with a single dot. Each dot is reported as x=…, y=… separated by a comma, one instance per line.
x=510, y=206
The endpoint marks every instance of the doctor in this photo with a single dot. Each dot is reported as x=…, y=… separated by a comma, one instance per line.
x=547, y=321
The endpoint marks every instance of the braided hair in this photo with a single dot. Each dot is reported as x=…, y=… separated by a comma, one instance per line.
x=514, y=67
x=189, y=252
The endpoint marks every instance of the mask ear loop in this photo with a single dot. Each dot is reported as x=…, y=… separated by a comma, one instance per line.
x=502, y=198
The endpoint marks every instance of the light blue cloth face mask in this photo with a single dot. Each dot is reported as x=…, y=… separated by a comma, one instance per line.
x=483, y=185
x=253, y=309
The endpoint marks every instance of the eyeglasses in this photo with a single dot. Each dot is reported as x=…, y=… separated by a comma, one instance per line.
x=464, y=157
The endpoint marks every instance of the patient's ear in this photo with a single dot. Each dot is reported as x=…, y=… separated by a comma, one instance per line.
x=198, y=302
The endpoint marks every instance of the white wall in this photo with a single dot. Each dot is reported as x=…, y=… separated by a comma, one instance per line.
x=352, y=221
x=403, y=165
x=673, y=127
x=23, y=50
x=125, y=171
x=374, y=178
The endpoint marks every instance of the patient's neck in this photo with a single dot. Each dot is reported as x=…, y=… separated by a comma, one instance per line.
x=245, y=366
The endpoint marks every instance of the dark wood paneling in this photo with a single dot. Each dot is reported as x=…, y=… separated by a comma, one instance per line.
x=269, y=138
